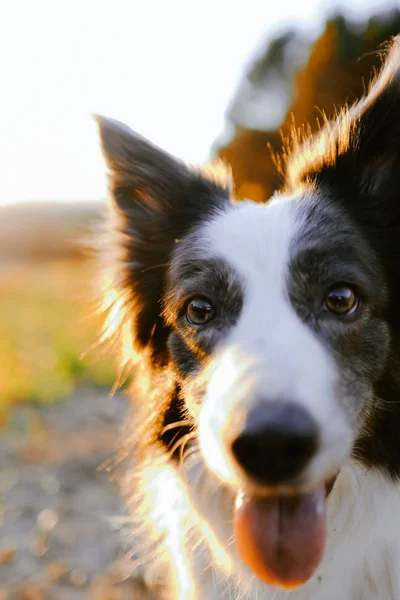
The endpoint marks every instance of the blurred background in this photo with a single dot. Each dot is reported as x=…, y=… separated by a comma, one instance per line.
x=213, y=79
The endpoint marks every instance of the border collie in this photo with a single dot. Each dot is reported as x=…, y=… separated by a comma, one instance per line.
x=264, y=342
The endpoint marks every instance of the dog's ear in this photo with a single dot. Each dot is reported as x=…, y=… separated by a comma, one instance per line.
x=360, y=151
x=155, y=201
x=355, y=163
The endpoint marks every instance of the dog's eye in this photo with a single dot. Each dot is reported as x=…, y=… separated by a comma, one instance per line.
x=199, y=311
x=341, y=300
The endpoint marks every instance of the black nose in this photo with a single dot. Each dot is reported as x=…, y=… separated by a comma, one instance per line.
x=276, y=443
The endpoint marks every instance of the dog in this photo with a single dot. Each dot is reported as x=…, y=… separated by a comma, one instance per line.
x=264, y=346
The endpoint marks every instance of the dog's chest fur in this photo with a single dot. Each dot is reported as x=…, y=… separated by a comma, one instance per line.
x=192, y=516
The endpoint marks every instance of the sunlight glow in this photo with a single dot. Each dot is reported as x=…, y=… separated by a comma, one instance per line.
x=168, y=69
x=171, y=515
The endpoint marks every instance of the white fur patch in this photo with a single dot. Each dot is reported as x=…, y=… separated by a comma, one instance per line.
x=270, y=354
x=361, y=560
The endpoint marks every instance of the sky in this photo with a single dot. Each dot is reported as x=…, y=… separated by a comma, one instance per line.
x=168, y=68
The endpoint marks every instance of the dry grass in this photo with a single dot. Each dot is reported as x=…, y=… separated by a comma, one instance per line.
x=47, y=323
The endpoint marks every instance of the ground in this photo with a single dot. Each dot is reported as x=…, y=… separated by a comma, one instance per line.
x=59, y=537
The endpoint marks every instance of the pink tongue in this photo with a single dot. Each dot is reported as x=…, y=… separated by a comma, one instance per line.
x=282, y=539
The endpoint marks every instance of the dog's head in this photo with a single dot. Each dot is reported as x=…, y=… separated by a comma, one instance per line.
x=280, y=320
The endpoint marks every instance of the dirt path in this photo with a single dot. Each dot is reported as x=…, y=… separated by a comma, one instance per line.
x=57, y=538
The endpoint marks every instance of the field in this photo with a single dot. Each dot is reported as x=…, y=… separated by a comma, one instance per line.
x=48, y=324
x=59, y=425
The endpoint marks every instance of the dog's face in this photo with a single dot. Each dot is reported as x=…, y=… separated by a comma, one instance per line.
x=279, y=321
x=278, y=333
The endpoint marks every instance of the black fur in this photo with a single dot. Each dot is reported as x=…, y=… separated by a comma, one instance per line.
x=157, y=200
x=354, y=164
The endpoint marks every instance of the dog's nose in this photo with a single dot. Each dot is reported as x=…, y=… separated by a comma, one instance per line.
x=277, y=442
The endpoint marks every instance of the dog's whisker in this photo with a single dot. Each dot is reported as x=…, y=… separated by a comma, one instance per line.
x=183, y=440
x=152, y=267
x=182, y=449
x=176, y=424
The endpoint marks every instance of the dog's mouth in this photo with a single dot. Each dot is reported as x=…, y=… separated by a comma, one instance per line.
x=282, y=538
